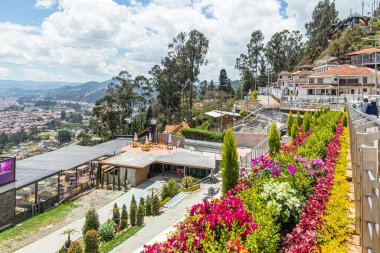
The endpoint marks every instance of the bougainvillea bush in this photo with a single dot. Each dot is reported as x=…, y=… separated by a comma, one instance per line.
x=275, y=207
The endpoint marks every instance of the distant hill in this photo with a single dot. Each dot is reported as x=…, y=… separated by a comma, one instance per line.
x=32, y=85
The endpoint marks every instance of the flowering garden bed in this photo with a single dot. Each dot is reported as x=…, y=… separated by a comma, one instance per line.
x=277, y=207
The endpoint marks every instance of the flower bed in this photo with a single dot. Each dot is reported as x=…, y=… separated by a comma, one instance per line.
x=267, y=204
x=303, y=238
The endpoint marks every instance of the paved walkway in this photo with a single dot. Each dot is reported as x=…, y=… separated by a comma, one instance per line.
x=268, y=101
x=54, y=241
x=160, y=226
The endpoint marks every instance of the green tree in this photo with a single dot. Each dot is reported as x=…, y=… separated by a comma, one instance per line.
x=306, y=121
x=295, y=129
x=64, y=136
x=155, y=205
x=289, y=123
x=284, y=50
x=63, y=115
x=69, y=232
x=345, y=119
x=91, y=242
x=140, y=214
x=75, y=248
x=124, y=212
x=229, y=164
x=116, y=214
x=318, y=29
x=248, y=81
x=274, y=139
x=169, y=189
x=225, y=82
x=133, y=212
x=250, y=62
x=298, y=118
x=91, y=222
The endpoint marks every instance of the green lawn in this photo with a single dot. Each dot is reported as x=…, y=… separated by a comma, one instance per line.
x=24, y=229
x=120, y=237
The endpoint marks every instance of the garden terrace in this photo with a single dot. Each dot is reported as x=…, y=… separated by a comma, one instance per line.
x=277, y=206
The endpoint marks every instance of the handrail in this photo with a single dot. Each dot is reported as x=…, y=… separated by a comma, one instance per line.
x=261, y=149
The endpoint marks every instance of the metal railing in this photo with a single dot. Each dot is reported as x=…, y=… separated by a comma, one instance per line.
x=261, y=149
x=365, y=147
x=303, y=106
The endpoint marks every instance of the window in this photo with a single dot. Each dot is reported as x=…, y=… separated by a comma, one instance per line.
x=352, y=81
x=352, y=91
x=365, y=79
x=320, y=80
x=364, y=89
x=311, y=80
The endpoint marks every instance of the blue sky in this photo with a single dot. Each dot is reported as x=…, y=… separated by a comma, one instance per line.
x=82, y=40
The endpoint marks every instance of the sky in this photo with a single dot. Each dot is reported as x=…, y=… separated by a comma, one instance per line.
x=93, y=40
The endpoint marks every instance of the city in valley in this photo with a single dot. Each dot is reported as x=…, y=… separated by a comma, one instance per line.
x=189, y=126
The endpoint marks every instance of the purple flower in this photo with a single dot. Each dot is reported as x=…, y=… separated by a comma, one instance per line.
x=304, y=160
x=292, y=169
x=297, y=158
x=255, y=161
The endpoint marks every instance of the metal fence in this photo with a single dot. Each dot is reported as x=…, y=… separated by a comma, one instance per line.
x=261, y=149
x=365, y=147
x=304, y=106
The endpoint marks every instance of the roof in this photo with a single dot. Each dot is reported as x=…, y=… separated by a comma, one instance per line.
x=170, y=128
x=180, y=157
x=218, y=113
x=348, y=70
x=364, y=51
x=176, y=128
x=284, y=73
x=38, y=167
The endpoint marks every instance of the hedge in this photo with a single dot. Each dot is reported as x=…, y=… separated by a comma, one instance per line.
x=202, y=135
x=334, y=235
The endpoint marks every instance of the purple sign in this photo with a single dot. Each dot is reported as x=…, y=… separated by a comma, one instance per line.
x=7, y=171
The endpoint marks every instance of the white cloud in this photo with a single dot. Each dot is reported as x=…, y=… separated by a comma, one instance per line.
x=4, y=73
x=45, y=4
x=95, y=39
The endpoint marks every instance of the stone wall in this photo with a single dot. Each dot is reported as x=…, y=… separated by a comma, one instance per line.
x=138, y=176
x=7, y=207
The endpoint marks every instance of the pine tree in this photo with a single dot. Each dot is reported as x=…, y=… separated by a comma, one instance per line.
x=92, y=221
x=345, y=119
x=142, y=202
x=124, y=212
x=133, y=201
x=289, y=123
x=298, y=118
x=116, y=214
x=155, y=205
x=140, y=215
x=133, y=213
x=306, y=121
x=148, y=206
x=230, y=163
x=295, y=129
x=274, y=139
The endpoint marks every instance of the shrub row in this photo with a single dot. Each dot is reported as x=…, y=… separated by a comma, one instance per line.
x=203, y=135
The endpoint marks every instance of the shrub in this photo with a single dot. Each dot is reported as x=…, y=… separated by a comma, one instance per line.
x=123, y=224
x=306, y=122
x=274, y=139
x=163, y=202
x=332, y=237
x=345, y=119
x=116, y=214
x=91, y=241
x=107, y=231
x=169, y=189
x=140, y=215
x=289, y=124
x=62, y=250
x=148, y=206
x=203, y=135
x=92, y=221
x=298, y=118
x=254, y=94
x=229, y=164
x=155, y=205
x=187, y=182
x=242, y=112
x=75, y=248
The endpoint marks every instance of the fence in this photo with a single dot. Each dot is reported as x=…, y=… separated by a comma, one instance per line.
x=261, y=149
x=301, y=106
x=365, y=146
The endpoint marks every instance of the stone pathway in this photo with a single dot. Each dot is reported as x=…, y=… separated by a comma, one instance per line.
x=354, y=240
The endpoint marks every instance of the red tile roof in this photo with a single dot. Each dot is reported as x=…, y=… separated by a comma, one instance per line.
x=315, y=86
x=348, y=70
x=364, y=51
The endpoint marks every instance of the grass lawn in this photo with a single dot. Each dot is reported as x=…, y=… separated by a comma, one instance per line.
x=120, y=237
x=32, y=225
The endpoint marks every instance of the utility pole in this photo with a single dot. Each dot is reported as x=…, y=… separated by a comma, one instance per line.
x=362, y=8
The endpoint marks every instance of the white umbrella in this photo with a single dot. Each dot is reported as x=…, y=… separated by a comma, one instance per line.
x=150, y=136
x=135, y=138
x=146, y=140
x=170, y=139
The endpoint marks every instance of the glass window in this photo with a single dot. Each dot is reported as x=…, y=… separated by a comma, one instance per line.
x=320, y=80
x=25, y=198
x=365, y=79
x=311, y=80
x=47, y=188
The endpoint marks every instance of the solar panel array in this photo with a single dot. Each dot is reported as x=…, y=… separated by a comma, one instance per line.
x=38, y=167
